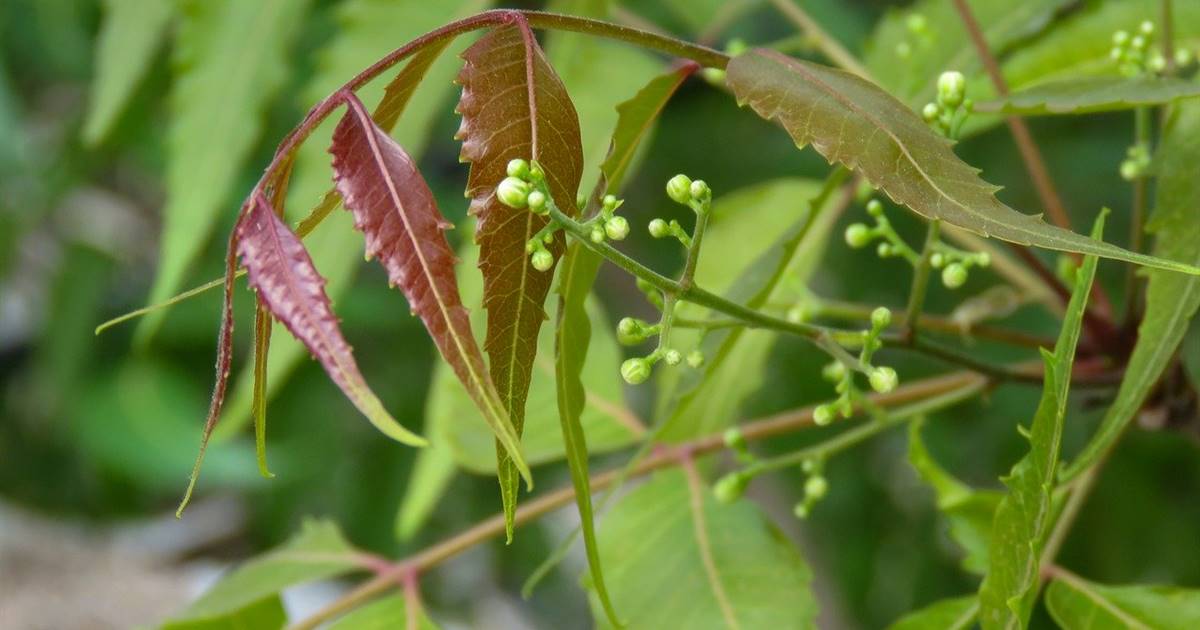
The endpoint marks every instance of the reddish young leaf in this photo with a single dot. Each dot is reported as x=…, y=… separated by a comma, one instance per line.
x=282, y=272
x=513, y=105
x=396, y=211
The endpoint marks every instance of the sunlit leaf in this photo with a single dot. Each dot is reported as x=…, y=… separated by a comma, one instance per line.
x=317, y=552
x=513, y=106
x=676, y=558
x=129, y=39
x=970, y=512
x=1025, y=514
x=387, y=613
x=230, y=59
x=394, y=208
x=853, y=122
x=282, y=272
x=947, y=614
x=1087, y=95
x=1171, y=299
x=1077, y=604
x=431, y=474
x=264, y=614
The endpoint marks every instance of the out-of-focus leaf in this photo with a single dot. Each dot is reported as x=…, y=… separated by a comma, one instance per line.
x=387, y=613
x=513, y=106
x=431, y=473
x=907, y=62
x=1171, y=299
x=396, y=211
x=230, y=59
x=264, y=614
x=744, y=256
x=1025, y=514
x=317, y=552
x=368, y=29
x=282, y=272
x=129, y=39
x=1077, y=604
x=970, y=512
x=635, y=117
x=852, y=121
x=676, y=558
x=1087, y=95
x=948, y=614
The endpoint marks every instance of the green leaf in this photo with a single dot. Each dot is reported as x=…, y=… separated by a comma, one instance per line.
x=264, y=614
x=676, y=558
x=513, y=105
x=635, y=118
x=851, y=121
x=230, y=60
x=431, y=474
x=317, y=552
x=1087, y=95
x=1077, y=604
x=129, y=39
x=745, y=256
x=970, y=512
x=367, y=30
x=383, y=614
x=1171, y=299
x=948, y=614
x=1024, y=516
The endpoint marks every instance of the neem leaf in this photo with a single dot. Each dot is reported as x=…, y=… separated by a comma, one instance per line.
x=513, y=106
x=1085, y=95
x=264, y=614
x=130, y=36
x=281, y=270
x=1171, y=299
x=948, y=614
x=387, y=613
x=636, y=116
x=396, y=211
x=852, y=121
x=1024, y=516
x=1077, y=604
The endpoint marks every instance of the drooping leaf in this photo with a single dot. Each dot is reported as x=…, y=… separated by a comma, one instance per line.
x=129, y=39
x=1077, y=604
x=264, y=614
x=676, y=558
x=1025, y=514
x=513, y=106
x=230, y=60
x=757, y=237
x=948, y=614
x=1171, y=299
x=387, y=613
x=1087, y=95
x=262, y=348
x=970, y=512
x=851, y=121
x=572, y=337
x=282, y=272
x=317, y=552
x=368, y=29
x=394, y=208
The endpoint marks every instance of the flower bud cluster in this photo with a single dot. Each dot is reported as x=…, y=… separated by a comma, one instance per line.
x=952, y=106
x=525, y=187
x=921, y=36
x=841, y=371
x=815, y=488
x=683, y=191
x=954, y=263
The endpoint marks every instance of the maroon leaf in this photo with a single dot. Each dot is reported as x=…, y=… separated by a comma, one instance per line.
x=513, y=105
x=396, y=211
x=282, y=272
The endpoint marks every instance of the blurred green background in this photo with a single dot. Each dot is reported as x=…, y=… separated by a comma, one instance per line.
x=97, y=434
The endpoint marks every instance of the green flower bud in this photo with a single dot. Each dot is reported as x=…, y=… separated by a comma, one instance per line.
x=833, y=371
x=883, y=379
x=930, y=112
x=597, y=234
x=630, y=332
x=536, y=201
x=513, y=192
x=617, y=228
x=535, y=172
x=518, y=168
x=635, y=371
x=1120, y=38
x=983, y=259
x=810, y=465
x=695, y=359
x=659, y=228
x=730, y=487
x=1183, y=57
x=1146, y=28
x=672, y=357
x=801, y=511
x=610, y=203
x=875, y=207
x=823, y=415
x=881, y=318
x=815, y=487
x=858, y=235
x=1138, y=43
x=884, y=250
x=699, y=189
x=1157, y=63
x=542, y=260
x=1116, y=54
x=736, y=46
x=679, y=189
x=937, y=260
x=734, y=439
x=952, y=88
x=916, y=23
x=954, y=275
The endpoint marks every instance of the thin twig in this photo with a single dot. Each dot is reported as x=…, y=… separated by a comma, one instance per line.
x=828, y=46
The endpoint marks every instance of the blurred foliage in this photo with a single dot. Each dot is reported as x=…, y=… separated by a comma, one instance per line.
x=92, y=430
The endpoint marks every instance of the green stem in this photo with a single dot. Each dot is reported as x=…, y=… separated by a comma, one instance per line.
x=920, y=283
